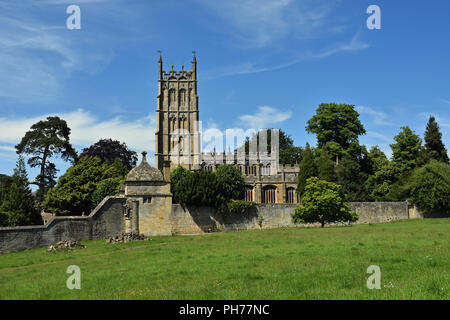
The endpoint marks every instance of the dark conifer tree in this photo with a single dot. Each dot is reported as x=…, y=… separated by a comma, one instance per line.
x=434, y=146
x=307, y=169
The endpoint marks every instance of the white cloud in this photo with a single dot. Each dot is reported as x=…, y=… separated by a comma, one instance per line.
x=86, y=129
x=264, y=118
x=7, y=148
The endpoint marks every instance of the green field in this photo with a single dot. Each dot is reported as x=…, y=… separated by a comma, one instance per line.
x=299, y=263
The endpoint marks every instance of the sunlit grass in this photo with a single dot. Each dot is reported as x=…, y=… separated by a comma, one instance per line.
x=298, y=263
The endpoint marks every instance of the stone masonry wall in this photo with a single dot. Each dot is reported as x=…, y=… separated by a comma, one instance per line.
x=191, y=220
x=105, y=221
x=108, y=220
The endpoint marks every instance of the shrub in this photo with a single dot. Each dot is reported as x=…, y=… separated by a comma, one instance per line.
x=323, y=202
x=231, y=182
x=236, y=207
x=195, y=187
x=207, y=188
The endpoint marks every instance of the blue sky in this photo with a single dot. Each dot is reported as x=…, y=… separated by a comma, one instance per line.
x=260, y=63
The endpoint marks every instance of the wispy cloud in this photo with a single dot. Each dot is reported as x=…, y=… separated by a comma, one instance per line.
x=445, y=101
x=355, y=44
x=259, y=23
x=379, y=118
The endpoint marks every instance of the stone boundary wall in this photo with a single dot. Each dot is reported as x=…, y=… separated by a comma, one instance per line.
x=108, y=220
x=192, y=220
x=105, y=221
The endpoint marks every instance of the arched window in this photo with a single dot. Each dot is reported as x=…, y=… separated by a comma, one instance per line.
x=269, y=194
x=182, y=97
x=291, y=195
x=249, y=193
x=171, y=97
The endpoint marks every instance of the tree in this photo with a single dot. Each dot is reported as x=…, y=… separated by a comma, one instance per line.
x=5, y=182
x=428, y=187
x=351, y=178
x=18, y=205
x=334, y=150
x=307, y=169
x=44, y=140
x=434, y=146
x=325, y=167
x=107, y=187
x=406, y=149
x=380, y=183
x=377, y=159
x=231, y=182
x=207, y=188
x=289, y=154
x=323, y=202
x=195, y=187
x=181, y=184
x=110, y=150
x=335, y=122
x=73, y=193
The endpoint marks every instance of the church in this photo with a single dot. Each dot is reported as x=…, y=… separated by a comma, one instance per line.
x=178, y=142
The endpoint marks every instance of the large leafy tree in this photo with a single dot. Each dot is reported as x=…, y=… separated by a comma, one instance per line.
x=110, y=150
x=336, y=122
x=73, y=195
x=323, y=202
x=406, y=149
x=18, y=206
x=45, y=140
x=307, y=169
x=434, y=147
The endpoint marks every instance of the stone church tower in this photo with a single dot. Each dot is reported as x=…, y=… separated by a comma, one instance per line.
x=177, y=137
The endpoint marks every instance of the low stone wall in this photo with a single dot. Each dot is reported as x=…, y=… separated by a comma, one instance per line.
x=105, y=221
x=108, y=220
x=192, y=220
x=378, y=212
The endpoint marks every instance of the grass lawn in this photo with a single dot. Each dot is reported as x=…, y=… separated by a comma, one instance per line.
x=297, y=263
